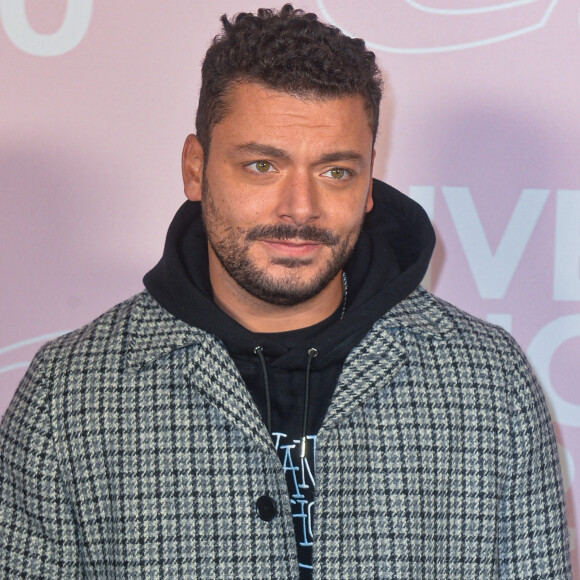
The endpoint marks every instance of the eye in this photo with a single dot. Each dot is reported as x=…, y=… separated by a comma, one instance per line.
x=261, y=166
x=338, y=173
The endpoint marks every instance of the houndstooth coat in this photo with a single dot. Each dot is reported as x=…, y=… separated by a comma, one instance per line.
x=133, y=450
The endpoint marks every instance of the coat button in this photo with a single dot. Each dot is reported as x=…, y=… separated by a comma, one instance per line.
x=266, y=508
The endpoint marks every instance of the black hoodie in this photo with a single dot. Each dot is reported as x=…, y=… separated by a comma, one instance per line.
x=292, y=375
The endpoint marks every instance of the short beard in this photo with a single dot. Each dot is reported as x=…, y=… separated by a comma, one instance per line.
x=232, y=250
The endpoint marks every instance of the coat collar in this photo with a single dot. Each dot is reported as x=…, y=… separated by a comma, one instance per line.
x=152, y=334
x=420, y=313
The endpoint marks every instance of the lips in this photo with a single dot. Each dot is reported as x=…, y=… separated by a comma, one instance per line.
x=292, y=242
x=293, y=247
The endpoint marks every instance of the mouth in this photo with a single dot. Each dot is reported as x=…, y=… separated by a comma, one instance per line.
x=296, y=248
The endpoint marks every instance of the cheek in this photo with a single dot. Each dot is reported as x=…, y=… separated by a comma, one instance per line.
x=239, y=213
x=349, y=217
x=249, y=210
x=236, y=203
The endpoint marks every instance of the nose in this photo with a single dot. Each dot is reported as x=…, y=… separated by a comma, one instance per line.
x=297, y=200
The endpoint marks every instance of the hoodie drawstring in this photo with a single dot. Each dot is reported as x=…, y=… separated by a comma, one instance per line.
x=312, y=354
x=259, y=351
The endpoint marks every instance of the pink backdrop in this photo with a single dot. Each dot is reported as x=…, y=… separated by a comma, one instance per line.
x=481, y=126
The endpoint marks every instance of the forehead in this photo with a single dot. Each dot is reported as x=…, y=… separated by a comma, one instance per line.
x=256, y=112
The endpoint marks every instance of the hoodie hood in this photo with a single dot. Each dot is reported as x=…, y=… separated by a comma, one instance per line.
x=388, y=263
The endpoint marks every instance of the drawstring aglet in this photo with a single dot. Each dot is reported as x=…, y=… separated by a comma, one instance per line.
x=303, y=448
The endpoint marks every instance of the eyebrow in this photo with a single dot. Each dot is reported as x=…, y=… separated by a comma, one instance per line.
x=337, y=156
x=260, y=149
x=277, y=153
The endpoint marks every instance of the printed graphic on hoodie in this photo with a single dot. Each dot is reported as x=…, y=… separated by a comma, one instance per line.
x=299, y=472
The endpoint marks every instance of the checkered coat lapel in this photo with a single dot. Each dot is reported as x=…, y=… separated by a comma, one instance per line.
x=216, y=377
x=209, y=370
x=377, y=359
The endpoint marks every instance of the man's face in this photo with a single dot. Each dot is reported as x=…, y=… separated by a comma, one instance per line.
x=284, y=191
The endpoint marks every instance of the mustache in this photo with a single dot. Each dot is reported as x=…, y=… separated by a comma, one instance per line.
x=308, y=233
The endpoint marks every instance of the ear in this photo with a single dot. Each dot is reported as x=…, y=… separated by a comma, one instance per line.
x=369, y=202
x=192, y=168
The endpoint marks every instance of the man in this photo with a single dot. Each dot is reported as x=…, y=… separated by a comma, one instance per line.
x=284, y=400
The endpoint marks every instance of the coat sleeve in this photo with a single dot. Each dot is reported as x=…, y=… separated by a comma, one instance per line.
x=533, y=531
x=37, y=538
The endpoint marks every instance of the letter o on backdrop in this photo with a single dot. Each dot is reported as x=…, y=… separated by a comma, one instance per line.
x=74, y=27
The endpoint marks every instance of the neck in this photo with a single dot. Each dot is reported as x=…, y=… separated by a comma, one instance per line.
x=259, y=316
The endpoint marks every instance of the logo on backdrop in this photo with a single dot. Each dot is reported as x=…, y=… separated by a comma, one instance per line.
x=493, y=272
x=450, y=28
x=73, y=28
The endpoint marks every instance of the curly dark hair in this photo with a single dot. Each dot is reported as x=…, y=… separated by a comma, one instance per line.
x=287, y=50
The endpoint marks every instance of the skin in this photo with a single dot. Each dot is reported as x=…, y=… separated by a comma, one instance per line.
x=278, y=159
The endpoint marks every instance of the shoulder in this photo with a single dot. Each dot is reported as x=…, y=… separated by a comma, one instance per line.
x=461, y=329
x=427, y=315
x=107, y=333
x=437, y=333
x=129, y=329
x=126, y=337
x=72, y=353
